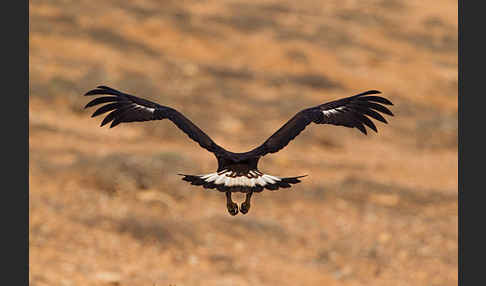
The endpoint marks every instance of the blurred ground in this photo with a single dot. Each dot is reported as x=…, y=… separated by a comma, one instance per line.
x=107, y=208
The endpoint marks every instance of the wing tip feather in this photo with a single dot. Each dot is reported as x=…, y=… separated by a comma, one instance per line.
x=92, y=92
x=371, y=91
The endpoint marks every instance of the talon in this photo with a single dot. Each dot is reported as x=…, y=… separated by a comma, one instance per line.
x=244, y=208
x=233, y=209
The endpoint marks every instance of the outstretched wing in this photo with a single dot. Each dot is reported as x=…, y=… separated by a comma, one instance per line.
x=349, y=112
x=128, y=108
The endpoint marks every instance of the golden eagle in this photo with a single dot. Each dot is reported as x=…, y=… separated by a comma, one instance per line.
x=238, y=172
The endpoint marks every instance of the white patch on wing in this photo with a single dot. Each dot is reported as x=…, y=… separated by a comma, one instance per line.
x=149, y=109
x=332, y=111
x=223, y=178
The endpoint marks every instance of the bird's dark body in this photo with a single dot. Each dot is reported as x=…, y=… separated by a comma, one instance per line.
x=241, y=166
x=238, y=172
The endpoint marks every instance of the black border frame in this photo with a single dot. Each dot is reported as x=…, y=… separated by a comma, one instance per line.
x=15, y=213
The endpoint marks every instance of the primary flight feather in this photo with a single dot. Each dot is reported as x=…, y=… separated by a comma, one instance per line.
x=238, y=172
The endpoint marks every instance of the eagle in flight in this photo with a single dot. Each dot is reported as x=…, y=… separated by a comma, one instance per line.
x=238, y=172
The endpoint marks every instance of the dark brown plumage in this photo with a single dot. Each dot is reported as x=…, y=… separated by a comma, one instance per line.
x=238, y=172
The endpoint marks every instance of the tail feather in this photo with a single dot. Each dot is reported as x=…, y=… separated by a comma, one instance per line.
x=293, y=180
x=222, y=182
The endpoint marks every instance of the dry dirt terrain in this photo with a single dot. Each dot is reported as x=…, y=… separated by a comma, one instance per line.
x=107, y=207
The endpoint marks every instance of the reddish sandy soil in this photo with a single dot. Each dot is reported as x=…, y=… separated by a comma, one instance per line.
x=107, y=207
